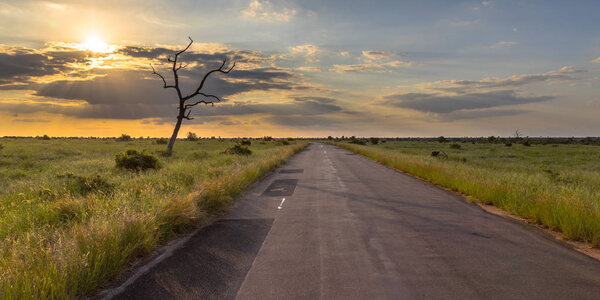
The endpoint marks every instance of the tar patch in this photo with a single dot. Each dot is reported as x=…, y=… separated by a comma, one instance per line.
x=281, y=187
x=290, y=171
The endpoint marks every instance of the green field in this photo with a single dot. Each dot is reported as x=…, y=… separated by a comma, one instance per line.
x=557, y=186
x=70, y=220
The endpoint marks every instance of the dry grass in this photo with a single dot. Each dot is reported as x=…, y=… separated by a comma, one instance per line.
x=70, y=221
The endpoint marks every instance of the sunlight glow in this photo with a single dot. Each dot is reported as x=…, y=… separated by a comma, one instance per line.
x=95, y=44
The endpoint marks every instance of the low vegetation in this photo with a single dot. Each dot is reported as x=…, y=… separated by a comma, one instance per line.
x=557, y=187
x=73, y=214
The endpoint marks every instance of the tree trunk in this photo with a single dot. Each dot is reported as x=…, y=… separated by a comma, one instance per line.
x=174, y=136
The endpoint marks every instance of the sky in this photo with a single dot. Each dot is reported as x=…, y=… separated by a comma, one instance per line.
x=302, y=68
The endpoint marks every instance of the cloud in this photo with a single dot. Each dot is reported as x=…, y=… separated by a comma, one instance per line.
x=265, y=11
x=597, y=60
x=377, y=55
x=478, y=114
x=345, y=53
x=21, y=63
x=502, y=44
x=437, y=103
x=462, y=86
x=370, y=67
x=302, y=121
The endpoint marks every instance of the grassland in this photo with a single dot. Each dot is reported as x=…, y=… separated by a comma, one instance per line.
x=70, y=220
x=557, y=186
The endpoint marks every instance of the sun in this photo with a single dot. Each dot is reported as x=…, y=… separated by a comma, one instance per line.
x=96, y=44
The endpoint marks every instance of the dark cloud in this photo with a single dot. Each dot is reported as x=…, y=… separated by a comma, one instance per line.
x=462, y=86
x=303, y=121
x=21, y=63
x=437, y=103
x=31, y=120
x=477, y=114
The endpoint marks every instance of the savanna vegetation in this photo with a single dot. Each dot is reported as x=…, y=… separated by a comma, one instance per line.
x=75, y=212
x=551, y=182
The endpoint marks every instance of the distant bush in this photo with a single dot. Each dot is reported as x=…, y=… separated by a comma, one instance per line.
x=439, y=154
x=508, y=144
x=267, y=138
x=133, y=160
x=526, y=143
x=191, y=136
x=441, y=139
x=358, y=142
x=161, y=141
x=82, y=185
x=374, y=140
x=330, y=138
x=124, y=138
x=45, y=137
x=238, y=150
x=455, y=146
x=284, y=142
x=245, y=142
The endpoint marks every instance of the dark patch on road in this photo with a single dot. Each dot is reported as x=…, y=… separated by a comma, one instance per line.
x=211, y=265
x=290, y=171
x=485, y=236
x=281, y=187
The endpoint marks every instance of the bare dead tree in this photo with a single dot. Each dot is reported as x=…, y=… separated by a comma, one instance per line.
x=184, y=107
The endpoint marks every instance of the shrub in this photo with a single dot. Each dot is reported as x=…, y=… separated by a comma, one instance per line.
x=81, y=185
x=439, y=154
x=191, y=136
x=374, y=140
x=508, y=144
x=161, y=141
x=45, y=137
x=267, y=138
x=238, y=150
x=284, y=142
x=358, y=142
x=526, y=143
x=245, y=142
x=441, y=139
x=124, y=138
x=454, y=146
x=133, y=160
x=330, y=138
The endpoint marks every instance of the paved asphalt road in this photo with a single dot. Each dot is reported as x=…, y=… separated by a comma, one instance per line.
x=350, y=228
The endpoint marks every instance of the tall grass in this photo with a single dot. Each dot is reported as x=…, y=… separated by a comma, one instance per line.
x=558, y=187
x=59, y=242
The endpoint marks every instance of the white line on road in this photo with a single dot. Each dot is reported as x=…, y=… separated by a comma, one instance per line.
x=281, y=205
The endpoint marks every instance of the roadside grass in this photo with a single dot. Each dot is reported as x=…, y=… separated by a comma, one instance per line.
x=70, y=221
x=554, y=186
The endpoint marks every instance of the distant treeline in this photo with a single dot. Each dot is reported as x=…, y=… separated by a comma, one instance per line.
x=441, y=139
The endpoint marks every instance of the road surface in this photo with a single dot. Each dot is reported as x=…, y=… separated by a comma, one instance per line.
x=350, y=228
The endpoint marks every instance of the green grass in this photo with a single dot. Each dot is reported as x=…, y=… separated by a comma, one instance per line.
x=70, y=221
x=557, y=186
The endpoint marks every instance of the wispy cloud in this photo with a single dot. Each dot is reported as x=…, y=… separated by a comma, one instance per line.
x=265, y=11
x=377, y=55
x=597, y=60
x=502, y=44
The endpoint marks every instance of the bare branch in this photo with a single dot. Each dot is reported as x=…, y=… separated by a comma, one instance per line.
x=220, y=69
x=161, y=77
x=187, y=117
x=188, y=46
